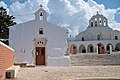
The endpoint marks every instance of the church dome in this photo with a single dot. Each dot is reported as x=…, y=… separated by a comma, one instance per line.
x=98, y=20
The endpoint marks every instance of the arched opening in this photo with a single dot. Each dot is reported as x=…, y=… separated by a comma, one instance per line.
x=108, y=47
x=82, y=49
x=104, y=22
x=91, y=24
x=101, y=49
x=82, y=38
x=73, y=49
x=95, y=23
x=98, y=37
x=41, y=15
x=117, y=47
x=116, y=37
x=90, y=48
x=100, y=21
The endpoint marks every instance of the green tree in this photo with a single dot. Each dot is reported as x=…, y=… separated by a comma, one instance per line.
x=5, y=22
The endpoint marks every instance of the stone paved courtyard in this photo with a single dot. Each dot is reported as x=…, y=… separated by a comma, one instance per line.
x=69, y=73
x=91, y=59
x=83, y=67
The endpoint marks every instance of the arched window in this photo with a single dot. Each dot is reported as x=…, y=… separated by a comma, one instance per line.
x=104, y=22
x=95, y=21
x=100, y=21
x=91, y=24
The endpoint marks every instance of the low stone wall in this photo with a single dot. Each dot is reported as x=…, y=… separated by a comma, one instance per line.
x=6, y=59
x=90, y=59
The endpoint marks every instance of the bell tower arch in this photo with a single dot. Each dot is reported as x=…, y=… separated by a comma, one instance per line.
x=41, y=14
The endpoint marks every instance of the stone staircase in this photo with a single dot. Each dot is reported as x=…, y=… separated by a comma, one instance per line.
x=95, y=59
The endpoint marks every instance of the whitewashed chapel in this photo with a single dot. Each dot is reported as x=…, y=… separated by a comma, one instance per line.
x=39, y=42
x=98, y=38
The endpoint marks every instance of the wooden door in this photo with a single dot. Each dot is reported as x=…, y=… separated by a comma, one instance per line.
x=40, y=55
x=74, y=50
x=101, y=50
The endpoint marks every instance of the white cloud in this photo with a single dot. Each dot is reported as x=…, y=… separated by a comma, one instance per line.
x=3, y=4
x=74, y=14
x=25, y=11
x=81, y=13
x=71, y=9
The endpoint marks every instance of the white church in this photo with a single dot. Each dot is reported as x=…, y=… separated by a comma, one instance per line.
x=39, y=42
x=97, y=38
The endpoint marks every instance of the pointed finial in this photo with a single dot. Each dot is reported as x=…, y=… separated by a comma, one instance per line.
x=97, y=12
x=41, y=5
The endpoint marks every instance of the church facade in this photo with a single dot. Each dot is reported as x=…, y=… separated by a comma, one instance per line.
x=39, y=42
x=97, y=38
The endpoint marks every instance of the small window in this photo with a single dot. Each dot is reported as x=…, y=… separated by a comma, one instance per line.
x=40, y=30
x=116, y=38
x=91, y=24
x=95, y=23
x=82, y=38
x=98, y=37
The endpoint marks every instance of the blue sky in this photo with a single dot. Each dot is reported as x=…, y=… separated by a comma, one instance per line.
x=107, y=3
x=110, y=4
x=71, y=14
x=9, y=2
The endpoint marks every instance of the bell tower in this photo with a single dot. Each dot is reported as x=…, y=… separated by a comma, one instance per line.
x=98, y=21
x=41, y=14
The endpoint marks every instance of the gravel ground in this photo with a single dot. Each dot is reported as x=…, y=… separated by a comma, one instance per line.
x=69, y=73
